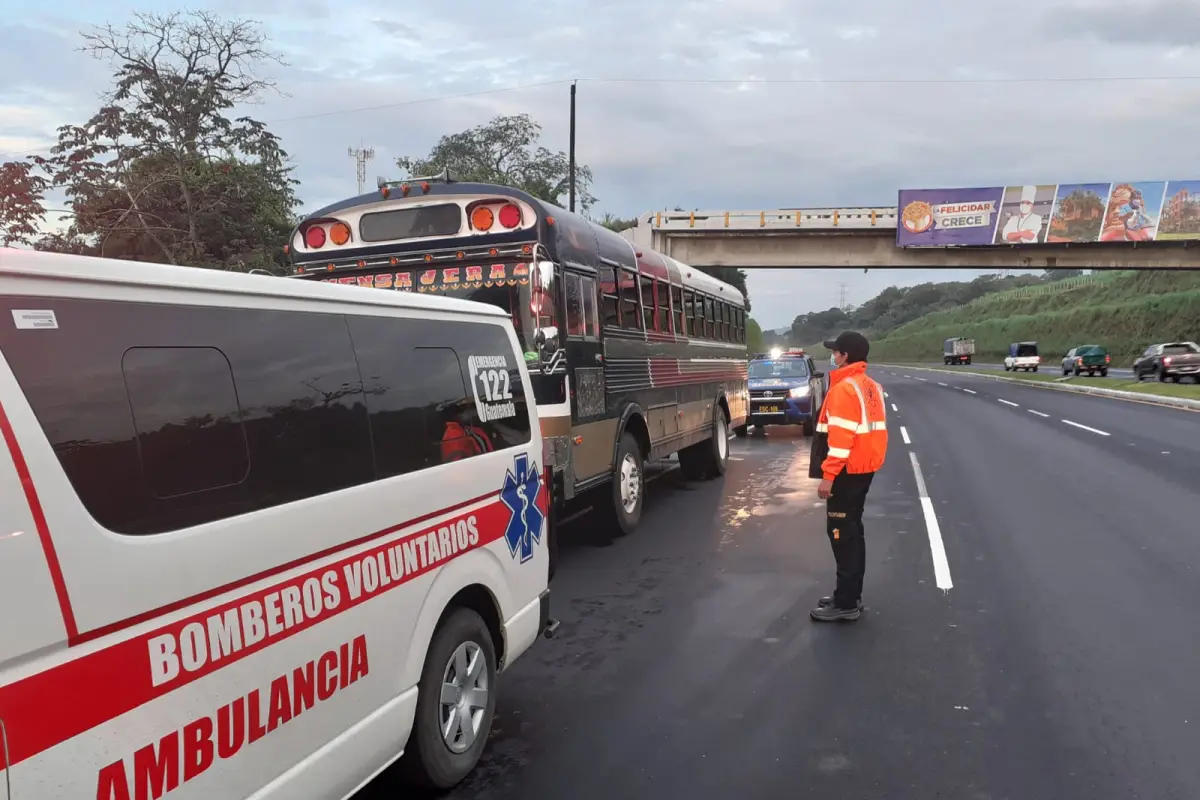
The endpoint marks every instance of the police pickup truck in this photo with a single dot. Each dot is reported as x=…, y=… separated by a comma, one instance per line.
x=785, y=389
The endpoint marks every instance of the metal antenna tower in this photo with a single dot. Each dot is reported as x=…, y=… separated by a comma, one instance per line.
x=842, y=296
x=362, y=155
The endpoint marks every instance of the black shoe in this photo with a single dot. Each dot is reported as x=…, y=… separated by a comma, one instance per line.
x=827, y=602
x=834, y=614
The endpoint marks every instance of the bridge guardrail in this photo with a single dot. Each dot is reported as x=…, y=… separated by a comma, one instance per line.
x=828, y=219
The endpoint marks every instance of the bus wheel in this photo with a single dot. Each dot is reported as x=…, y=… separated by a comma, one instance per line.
x=455, y=702
x=628, y=485
x=707, y=459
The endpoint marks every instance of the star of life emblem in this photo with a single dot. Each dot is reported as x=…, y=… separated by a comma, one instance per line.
x=520, y=494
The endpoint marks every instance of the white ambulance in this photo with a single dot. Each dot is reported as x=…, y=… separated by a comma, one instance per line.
x=258, y=538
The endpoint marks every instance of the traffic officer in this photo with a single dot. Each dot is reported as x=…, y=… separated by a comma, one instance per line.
x=848, y=449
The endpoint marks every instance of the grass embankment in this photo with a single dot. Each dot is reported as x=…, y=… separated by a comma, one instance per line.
x=1125, y=312
x=1190, y=391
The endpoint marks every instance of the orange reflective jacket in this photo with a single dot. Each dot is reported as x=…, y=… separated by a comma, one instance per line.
x=463, y=441
x=855, y=419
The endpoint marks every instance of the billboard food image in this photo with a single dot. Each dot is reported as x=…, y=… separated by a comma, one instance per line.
x=1180, y=212
x=1078, y=212
x=1066, y=213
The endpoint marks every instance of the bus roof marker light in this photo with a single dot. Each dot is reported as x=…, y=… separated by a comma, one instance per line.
x=405, y=189
x=424, y=187
x=386, y=191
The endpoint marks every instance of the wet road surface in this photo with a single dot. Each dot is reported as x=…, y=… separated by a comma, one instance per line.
x=1061, y=664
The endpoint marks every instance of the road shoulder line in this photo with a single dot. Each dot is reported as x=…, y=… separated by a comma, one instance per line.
x=937, y=548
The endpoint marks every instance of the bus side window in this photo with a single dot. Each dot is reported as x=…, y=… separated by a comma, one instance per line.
x=662, y=307
x=727, y=322
x=630, y=314
x=696, y=328
x=609, y=300
x=575, y=310
x=740, y=317
x=591, y=329
x=647, y=292
x=677, y=311
x=710, y=318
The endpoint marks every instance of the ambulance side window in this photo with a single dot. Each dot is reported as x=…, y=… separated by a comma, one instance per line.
x=417, y=384
x=120, y=410
x=186, y=418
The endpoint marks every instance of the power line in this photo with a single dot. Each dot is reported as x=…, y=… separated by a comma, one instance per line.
x=735, y=81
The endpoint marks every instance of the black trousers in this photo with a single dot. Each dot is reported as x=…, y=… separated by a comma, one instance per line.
x=844, y=524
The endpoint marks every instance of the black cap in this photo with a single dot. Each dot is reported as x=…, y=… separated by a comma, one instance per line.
x=852, y=343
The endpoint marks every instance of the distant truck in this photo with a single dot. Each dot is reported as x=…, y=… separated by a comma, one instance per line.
x=958, y=350
x=1022, y=355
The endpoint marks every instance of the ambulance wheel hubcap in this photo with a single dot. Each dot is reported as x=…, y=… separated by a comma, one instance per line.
x=464, y=697
x=631, y=484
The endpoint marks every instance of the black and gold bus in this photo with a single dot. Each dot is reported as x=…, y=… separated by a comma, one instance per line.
x=633, y=356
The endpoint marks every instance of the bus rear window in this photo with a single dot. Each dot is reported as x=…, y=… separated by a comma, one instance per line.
x=444, y=219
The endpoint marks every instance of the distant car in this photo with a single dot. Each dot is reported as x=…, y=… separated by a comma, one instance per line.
x=1169, y=361
x=1022, y=355
x=785, y=389
x=1089, y=358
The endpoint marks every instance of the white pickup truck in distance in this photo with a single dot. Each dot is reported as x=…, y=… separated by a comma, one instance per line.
x=1022, y=355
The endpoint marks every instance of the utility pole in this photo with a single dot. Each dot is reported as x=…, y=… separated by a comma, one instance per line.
x=362, y=155
x=571, y=150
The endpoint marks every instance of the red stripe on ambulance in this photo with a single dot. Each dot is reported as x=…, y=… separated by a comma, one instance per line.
x=49, y=707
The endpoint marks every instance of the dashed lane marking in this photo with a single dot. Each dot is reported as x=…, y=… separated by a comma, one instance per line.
x=1008, y=402
x=970, y=391
x=895, y=409
x=904, y=435
x=1040, y=414
x=1087, y=428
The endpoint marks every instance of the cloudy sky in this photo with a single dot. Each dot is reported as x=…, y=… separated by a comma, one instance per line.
x=673, y=109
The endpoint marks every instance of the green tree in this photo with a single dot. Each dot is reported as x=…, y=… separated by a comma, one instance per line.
x=22, y=192
x=754, y=336
x=164, y=171
x=615, y=223
x=505, y=151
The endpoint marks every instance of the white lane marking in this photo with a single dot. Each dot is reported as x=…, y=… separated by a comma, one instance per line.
x=1040, y=414
x=885, y=394
x=941, y=384
x=941, y=567
x=1086, y=428
x=904, y=435
x=1008, y=402
x=923, y=380
x=895, y=409
x=970, y=391
x=908, y=376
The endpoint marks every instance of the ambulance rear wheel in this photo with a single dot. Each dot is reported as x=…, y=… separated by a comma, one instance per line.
x=456, y=700
x=628, y=486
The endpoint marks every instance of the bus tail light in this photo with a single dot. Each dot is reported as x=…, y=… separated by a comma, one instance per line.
x=510, y=216
x=314, y=237
x=482, y=219
x=339, y=233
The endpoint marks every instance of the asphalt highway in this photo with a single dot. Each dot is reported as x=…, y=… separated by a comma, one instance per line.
x=1033, y=587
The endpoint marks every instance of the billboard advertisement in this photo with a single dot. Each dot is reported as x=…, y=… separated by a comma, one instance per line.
x=1139, y=211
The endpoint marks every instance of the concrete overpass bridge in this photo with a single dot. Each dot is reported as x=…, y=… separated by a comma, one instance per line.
x=866, y=237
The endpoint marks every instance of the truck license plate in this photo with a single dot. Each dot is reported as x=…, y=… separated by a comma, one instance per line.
x=769, y=409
